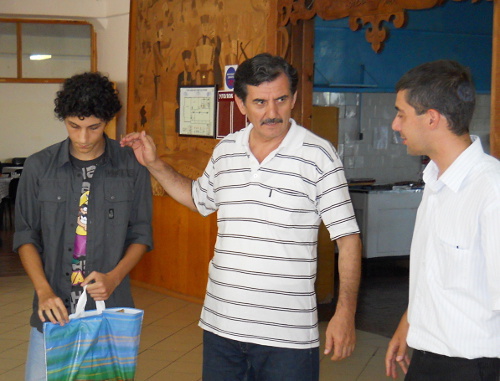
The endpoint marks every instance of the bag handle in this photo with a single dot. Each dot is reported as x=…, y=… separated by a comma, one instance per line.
x=82, y=301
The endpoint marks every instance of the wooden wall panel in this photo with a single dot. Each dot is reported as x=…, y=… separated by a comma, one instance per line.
x=184, y=242
x=301, y=56
x=188, y=43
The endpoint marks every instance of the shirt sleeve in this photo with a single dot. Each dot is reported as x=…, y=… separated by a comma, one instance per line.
x=490, y=228
x=140, y=229
x=28, y=221
x=334, y=202
x=203, y=190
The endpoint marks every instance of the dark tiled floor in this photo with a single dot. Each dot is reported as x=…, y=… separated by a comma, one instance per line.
x=383, y=296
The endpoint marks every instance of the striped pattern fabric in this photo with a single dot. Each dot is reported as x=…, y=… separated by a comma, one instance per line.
x=96, y=347
x=261, y=278
x=454, y=305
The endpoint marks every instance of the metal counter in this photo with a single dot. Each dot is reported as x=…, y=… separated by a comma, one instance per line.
x=386, y=218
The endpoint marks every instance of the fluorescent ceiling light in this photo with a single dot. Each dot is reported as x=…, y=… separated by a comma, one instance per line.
x=39, y=57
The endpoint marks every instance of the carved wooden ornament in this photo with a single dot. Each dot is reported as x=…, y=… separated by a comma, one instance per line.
x=360, y=13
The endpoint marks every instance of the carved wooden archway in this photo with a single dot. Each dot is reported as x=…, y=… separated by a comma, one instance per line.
x=360, y=13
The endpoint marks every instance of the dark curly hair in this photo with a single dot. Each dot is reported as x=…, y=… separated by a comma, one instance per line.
x=87, y=94
x=263, y=68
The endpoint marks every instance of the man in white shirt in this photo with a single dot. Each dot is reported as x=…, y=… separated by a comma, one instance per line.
x=272, y=184
x=453, y=317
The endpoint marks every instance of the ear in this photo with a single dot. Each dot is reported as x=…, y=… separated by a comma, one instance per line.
x=241, y=105
x=434, y=118
x=294, y=99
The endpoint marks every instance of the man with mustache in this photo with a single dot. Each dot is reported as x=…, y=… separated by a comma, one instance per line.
x=271, y=184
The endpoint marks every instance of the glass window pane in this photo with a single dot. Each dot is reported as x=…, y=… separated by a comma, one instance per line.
x=66, y=49
x=8, y=48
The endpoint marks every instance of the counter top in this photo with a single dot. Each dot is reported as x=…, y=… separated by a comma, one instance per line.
x=386, y=188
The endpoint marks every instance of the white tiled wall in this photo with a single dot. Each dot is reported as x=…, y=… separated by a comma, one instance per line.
x=368, y=146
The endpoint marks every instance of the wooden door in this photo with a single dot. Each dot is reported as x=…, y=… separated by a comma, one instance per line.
x=325, y=122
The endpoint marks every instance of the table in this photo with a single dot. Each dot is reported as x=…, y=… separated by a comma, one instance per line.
x=4, y=192
x=4, y=186
x=9, y=168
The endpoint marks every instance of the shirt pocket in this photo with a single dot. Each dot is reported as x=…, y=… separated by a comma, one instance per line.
x=118, y=198
x=52, y=197
x=291, y=206
x=455, y=261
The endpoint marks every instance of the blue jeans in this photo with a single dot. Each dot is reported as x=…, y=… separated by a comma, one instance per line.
x=230, y=360
x=36, y=368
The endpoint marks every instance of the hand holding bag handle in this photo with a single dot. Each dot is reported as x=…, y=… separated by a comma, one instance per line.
x=82, y=302
x=99, y=344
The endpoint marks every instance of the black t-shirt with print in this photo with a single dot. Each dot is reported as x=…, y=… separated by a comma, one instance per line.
x=87, y=169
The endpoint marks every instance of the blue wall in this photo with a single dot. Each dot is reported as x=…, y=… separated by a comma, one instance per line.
x=345, y=61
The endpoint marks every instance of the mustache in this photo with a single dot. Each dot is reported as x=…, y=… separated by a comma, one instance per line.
x=272, y=121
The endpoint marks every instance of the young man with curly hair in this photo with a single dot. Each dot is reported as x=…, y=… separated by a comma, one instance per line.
x=83, y=213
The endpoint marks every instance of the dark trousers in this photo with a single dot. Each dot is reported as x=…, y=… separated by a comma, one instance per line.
x=427, y=366
x=230, y=360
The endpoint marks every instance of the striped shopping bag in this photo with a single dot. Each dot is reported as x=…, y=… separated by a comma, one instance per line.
x=100, y=344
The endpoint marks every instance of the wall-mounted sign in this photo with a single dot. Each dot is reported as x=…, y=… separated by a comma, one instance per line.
x=229, y=117
x=229, y=72
x=197, y=107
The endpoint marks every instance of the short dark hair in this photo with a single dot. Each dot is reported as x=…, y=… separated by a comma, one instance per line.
x=87, y=94
x=263, y=68
x=445, y=86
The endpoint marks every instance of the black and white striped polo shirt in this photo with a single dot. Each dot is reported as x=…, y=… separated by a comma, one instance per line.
x=261, y=278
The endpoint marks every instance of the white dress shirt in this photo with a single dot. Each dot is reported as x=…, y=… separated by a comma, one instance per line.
x=454, y=306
